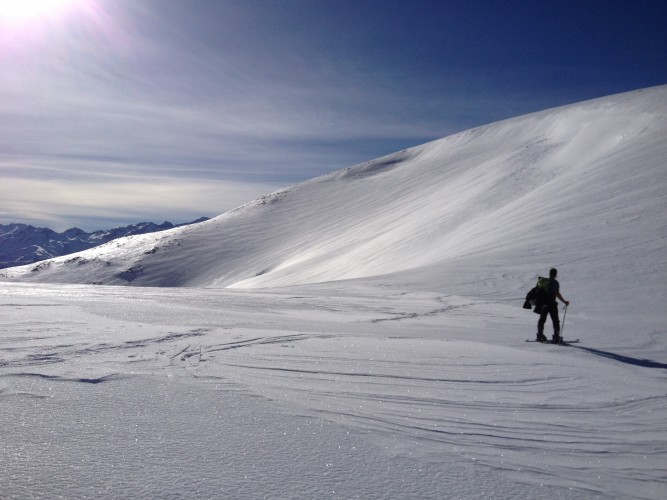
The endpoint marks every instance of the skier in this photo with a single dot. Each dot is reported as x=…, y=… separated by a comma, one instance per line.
x=549, y=307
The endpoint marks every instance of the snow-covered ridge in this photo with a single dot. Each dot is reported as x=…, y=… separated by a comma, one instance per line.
x=542, y=188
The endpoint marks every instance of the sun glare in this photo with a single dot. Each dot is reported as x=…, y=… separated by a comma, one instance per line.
x=13, y=12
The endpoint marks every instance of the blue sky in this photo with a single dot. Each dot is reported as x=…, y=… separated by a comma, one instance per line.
x=118, y=111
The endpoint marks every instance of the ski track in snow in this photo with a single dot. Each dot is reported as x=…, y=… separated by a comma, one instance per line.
x=425, y=392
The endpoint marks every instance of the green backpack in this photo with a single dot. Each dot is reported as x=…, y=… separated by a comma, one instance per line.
x=543, y=285
x=538, y=296
x=543, y=290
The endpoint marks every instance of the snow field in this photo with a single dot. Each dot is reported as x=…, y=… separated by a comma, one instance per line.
x=364, y=391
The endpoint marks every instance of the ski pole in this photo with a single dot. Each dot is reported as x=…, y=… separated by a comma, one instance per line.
x=562, y=328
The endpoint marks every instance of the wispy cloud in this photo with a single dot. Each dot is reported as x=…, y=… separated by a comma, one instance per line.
x=237, y=94
x=107, y=198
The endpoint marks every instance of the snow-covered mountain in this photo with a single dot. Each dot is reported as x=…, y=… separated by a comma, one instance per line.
x=22, y=244
x=583, y=185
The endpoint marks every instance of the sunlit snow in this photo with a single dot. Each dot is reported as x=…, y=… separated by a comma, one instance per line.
x=361, y=335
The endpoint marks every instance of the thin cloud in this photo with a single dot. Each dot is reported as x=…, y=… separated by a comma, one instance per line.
x=248, y=94
x=119, y=199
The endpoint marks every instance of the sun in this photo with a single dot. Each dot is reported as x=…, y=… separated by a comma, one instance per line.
x=17, y=12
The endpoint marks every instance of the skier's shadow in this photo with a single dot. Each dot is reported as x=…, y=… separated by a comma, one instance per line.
x=645, y=363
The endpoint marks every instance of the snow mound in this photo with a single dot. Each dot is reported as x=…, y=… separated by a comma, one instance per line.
x=542, y=189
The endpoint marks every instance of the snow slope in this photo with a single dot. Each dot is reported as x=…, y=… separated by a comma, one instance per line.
x=369, y=342
x=545, y=189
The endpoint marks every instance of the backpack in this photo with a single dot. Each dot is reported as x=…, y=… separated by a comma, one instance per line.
x=542, y=286
x=538, y=295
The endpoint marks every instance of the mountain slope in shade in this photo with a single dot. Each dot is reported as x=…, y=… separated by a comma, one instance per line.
x=582, y=186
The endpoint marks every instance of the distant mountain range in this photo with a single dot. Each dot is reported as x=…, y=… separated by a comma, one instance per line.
x=21, y=244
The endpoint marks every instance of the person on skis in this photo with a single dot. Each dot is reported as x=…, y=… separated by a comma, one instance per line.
x=549, y=307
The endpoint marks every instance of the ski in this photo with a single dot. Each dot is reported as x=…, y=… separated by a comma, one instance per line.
x=562, y=342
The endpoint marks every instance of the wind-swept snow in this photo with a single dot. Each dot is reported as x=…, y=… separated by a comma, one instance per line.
x=373, y=344
x=546, y=188
x=366, y=391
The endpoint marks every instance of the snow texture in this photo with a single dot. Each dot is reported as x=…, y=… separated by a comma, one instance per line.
x=361, y=335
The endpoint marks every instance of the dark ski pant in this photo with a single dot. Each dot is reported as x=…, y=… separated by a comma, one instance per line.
x=549, y=310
